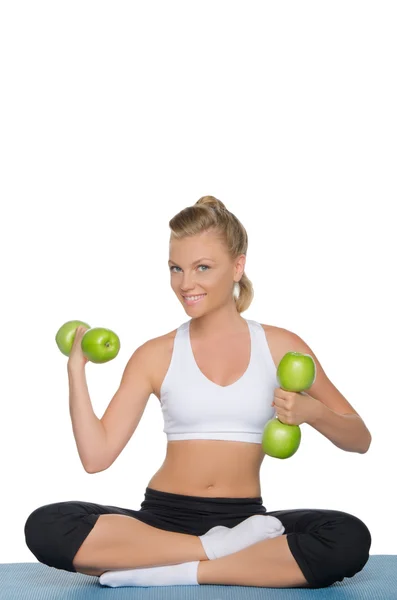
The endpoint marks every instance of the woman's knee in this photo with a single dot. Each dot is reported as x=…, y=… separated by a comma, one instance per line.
x=350, y=550
x=37, y=527
x=331, y=544
x=53, y=532
x=356, y=541
x=38, y=521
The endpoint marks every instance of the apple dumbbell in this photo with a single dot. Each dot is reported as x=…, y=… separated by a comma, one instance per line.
x=99, y=345
x=295, y=373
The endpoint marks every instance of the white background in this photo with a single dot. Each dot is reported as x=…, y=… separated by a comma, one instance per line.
x=117, y=115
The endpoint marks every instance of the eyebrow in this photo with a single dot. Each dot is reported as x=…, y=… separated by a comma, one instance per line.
x=195, y=262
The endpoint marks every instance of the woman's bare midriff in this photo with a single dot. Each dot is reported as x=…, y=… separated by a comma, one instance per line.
x=210, y=468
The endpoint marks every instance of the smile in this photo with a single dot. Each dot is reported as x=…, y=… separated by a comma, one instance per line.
x=193, y=299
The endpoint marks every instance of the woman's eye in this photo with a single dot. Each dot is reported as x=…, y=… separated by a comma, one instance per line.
x=174, y=267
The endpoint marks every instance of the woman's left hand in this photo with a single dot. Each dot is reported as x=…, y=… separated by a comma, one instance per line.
x=294, y=408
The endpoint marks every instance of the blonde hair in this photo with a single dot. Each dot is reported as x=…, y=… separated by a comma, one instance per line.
x=209, y=213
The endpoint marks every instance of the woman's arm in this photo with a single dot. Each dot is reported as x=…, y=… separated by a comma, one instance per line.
x=347, y=431
x=332, y=414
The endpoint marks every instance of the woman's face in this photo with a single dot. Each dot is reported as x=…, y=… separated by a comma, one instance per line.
x=200, y=265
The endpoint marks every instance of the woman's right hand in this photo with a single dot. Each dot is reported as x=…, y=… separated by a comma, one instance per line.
x=77, y=358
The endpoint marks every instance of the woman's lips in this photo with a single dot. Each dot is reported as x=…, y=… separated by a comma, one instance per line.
x=190, y=302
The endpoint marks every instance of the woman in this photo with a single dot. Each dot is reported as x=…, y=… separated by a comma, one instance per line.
x=202, y=520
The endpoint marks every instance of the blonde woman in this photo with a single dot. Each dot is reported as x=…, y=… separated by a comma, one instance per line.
x=202, y=520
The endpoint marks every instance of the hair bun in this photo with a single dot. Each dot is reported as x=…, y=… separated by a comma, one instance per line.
x=211, y=202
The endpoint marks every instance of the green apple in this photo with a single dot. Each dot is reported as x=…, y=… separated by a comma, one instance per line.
x=280, y=440
x=100, y=345
x=66, y=334
x=296, y=372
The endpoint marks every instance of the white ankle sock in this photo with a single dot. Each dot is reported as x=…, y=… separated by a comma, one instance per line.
x=221, y=541
x=182, y=574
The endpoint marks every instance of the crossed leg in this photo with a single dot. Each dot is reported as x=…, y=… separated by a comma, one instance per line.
x=121, y=542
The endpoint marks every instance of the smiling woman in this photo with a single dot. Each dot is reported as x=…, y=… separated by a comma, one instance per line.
x=215, y=378
x=210, y=226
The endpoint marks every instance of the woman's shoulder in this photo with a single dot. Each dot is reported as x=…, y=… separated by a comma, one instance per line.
x=274, y=329
x=277, y=340
x=160, y=342
x=160, y=349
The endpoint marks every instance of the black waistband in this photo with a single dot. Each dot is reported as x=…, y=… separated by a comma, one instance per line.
x=169, y=498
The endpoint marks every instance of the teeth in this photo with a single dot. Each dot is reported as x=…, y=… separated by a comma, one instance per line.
x=194, y=297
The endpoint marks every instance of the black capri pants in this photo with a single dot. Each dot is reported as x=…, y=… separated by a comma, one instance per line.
x=328, y=545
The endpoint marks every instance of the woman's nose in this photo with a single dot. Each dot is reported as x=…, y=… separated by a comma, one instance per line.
x=187, y=282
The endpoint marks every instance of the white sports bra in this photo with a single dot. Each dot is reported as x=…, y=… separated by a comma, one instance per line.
x=194, y=407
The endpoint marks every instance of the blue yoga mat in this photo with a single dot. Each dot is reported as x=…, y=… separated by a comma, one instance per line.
x=35, y=581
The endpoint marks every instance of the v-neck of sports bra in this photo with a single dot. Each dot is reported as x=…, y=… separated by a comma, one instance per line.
x=204, y=376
